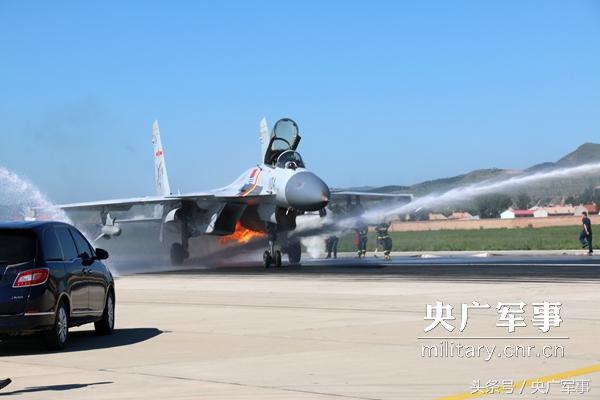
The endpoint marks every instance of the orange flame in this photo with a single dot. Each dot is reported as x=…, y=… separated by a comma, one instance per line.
x=241, y=235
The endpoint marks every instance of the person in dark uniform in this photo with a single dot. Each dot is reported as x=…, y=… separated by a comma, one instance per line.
x=586, y=234
x=4, y=383
x=361, y=241
x=332, y=244
x=384, y=240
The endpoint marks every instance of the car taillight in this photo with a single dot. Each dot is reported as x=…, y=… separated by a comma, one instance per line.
x=31, y=277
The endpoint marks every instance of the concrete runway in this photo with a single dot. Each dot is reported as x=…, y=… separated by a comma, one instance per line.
x=341, y=328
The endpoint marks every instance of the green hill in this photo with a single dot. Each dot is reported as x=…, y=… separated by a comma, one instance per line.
x=548, y=190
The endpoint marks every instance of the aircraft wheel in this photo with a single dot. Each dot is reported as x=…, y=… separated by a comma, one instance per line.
x=278, y=259
x=295, y=253
x=267, y=259
x=177, y=254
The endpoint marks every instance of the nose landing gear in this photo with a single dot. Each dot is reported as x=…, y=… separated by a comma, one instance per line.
x=272, y=256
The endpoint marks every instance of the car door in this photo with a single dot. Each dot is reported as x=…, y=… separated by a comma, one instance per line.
x=75, y=274
x=95, y=277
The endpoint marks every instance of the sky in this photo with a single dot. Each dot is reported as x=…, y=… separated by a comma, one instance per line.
x=383, y=92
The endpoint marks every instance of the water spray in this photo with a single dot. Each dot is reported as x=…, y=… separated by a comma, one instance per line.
x=469, y=192
x=339, y=226
x=22, y=195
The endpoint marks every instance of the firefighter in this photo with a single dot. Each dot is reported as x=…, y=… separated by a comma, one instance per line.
x=332, y=244
x=384, y=240
x=586, y=233
x=361, y=241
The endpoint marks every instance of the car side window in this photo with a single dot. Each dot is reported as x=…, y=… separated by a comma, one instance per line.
x=67, y=244
x=82, y=244
x=51, y=247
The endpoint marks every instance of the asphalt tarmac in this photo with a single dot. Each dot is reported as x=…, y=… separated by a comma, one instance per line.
x=328, y=329
x=539, y=268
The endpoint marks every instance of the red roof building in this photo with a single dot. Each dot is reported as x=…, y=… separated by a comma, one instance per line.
x=523, y=213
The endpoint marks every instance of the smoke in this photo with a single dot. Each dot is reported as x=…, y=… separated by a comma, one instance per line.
x=373, y=216
x=19, y=196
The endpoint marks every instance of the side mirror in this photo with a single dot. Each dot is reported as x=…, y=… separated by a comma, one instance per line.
x=101, y=254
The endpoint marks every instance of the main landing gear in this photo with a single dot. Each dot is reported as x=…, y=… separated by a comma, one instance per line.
x=179, y=252
x=294, y=251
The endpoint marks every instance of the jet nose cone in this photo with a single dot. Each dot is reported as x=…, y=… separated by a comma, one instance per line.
x=306, y=192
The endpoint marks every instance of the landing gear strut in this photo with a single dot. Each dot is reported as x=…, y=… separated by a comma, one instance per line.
x=271, y=255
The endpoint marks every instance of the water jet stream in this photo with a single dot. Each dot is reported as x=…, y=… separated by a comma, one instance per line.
x=21, y=195
x=373, y=216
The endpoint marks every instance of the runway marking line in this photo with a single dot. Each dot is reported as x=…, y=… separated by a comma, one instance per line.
x=528, y=382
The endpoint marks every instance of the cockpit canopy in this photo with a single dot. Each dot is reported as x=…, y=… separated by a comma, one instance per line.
x=290, y=159
x=285, y=137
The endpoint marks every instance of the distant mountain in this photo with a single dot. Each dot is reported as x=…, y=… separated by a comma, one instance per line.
x=389, y=189
x=359, y=189
x=586, y=153
x=548, y=190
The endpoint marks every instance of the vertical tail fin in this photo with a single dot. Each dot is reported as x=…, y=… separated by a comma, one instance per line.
x=161, y=179
x=264, y=138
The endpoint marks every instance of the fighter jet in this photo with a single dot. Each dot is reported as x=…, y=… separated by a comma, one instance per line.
x=266, y=198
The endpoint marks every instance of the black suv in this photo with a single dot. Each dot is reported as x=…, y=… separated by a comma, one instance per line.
x=51, y=278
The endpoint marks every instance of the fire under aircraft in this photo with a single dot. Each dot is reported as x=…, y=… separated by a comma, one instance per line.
x=266, y=198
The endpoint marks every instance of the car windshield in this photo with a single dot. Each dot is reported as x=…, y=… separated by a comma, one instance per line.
x=290, y=159
x=17, y=246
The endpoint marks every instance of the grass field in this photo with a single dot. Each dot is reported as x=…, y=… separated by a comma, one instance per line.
x=552, y=238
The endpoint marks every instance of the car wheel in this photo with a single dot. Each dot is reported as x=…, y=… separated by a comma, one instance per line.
x=107, y=324
x=56, y=338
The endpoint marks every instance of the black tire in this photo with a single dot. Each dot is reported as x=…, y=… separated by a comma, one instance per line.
x=267, y=259
x=294, y=253
x=177, y=254
x=278, y=259
x=107, y=324
x=57, y=337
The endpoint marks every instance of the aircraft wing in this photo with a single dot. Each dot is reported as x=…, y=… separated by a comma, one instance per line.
x=218, y=197
x=238, y=199
x=116, y=204
x=126, y=204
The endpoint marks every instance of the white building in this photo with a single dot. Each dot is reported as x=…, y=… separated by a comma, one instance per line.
x=539, y=212
x=508, y=214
